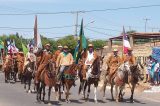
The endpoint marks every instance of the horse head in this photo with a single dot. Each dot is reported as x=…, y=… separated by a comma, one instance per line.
x=96, y=66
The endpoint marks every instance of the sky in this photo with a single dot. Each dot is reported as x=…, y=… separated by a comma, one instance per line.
x=98, y=25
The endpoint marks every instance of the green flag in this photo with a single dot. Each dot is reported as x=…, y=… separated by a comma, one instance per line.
x=83, y=40
x=1, y=44
x=81, y=44
x=25, y=50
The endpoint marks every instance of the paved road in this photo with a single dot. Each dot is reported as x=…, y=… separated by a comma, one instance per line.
x=14, y=95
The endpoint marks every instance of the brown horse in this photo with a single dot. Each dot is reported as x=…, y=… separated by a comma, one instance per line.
x=93, y=78
x=10, y=70
x=47, y=78
x=133, y=77
x=68, y=80
x=20, y=62
x=7, y=70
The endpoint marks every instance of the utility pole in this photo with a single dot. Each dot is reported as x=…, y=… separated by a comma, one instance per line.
x=146, y=20
x=76, y=23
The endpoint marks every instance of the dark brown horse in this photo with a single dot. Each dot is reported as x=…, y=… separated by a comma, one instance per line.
x=93, y=78
x=28, y=75
x=68, y=80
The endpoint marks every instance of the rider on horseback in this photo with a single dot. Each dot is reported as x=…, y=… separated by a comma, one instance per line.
x=56, y=54
x=46, y=57
x=129, y=57
x=91, y=55
x=113, y=62
x=30, y=57
x=64, y=60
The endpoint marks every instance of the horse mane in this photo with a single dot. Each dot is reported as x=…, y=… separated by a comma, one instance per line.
x=96, y=65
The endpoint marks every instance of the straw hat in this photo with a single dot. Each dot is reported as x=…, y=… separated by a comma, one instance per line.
x=65, y=47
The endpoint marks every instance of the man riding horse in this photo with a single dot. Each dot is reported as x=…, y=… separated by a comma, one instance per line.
x=64, y=60
x=57, y=52
x=44, y=59
x=88, y=59
x=129, y=57
x=113, y=63
x=30, y=57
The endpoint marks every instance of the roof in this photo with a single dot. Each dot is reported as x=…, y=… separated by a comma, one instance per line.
x=140, y=35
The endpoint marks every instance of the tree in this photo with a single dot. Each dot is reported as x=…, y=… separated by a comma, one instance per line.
x=98, y=43
x=69, y=41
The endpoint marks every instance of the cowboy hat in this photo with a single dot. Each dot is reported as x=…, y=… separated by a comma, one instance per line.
x=60, y=46
x=90, y=45
x=130, y=49
x=115, y=50
x=65, y=47
x=48, y=44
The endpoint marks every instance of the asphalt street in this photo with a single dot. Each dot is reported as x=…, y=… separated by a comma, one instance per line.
x=14, y=95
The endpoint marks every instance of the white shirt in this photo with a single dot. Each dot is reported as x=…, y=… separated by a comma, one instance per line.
x=90, y=56
x=156, y=67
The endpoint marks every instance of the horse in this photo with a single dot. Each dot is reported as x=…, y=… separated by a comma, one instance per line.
x=20, y=61
x=133, y=77
x=119, y=79
x=68, y=80
x=93, y=78
x=10, y=70
x=47, y=78
x=7, y=70
x=28, y=75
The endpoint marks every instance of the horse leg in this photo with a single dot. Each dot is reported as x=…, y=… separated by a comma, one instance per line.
x=6, y=77
x=49, y=94
x=117, y=93
x=38, y=92
x=88, y=91
x=95, y=93
x=43, y=88
x=132, y=92
x=112, y=92
x=67, y=92
x=84, y=90
x=59, y=90
x=29, y=85
x=56, y=92
x=104, y=90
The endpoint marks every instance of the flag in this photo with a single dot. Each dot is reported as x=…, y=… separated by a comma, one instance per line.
x=126, y=44
x=76, y=51
x=81, y=44
x=1, y=44
x=37, y=38
x=11, y=46
x=83, y=40
x=24, y=48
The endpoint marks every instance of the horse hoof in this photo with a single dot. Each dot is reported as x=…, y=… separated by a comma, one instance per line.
x=29, y=91
x=49, y=104
x=95, y=101
x=131, y=101
x=68, y=101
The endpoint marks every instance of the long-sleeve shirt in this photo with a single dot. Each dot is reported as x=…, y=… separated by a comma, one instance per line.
x=64, y=59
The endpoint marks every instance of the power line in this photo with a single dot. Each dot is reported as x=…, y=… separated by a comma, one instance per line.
x=38, y=28
x=105, y=29
x=83, y=11
x=98, y=32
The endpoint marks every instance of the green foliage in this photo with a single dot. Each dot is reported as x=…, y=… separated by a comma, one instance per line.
x=98, y=43
x=69, y=41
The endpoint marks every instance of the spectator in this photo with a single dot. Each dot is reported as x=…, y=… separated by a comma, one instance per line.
x=156, y=72
x=148, y=65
